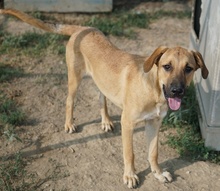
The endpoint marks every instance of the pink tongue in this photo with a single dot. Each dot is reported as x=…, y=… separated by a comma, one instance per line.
x=174, y=103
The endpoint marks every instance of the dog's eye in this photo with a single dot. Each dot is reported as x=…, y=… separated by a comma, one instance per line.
x=167, y=67
x=188, y=69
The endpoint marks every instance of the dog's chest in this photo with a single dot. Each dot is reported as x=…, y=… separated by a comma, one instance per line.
x=159, y=111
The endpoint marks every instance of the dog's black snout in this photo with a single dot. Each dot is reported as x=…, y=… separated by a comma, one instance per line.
x=177, y=91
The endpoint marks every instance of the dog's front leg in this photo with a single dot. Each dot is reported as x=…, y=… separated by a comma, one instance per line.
x=130, y=178
x=152, y=133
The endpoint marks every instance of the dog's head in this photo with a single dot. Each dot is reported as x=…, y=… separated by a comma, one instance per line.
x=176, y=67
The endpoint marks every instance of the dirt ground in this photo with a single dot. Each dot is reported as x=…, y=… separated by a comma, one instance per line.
x=92, y=159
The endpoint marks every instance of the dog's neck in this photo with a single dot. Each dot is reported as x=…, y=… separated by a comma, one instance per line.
x=151, y=81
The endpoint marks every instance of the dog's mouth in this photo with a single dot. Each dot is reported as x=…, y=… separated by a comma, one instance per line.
x=174, y=101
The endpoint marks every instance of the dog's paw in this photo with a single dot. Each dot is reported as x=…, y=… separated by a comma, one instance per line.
x=107, y=126
x=70, y=128
x=164, y=177
x=131, y=180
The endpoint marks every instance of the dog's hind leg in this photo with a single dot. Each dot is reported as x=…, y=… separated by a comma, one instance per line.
x=76, y=69
x=107, y=124
x=73, y=83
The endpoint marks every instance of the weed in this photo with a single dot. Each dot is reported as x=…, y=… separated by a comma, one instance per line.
x=120, y=23
x=12, y=174
x=33, y=43
x=57, y=170
x=7, y=72
x=10, y=134
x=177, y=14
x=188, y=141
x=10, y=114
x=38, y=15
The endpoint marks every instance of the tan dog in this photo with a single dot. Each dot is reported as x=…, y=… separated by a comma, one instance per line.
x=142, y=87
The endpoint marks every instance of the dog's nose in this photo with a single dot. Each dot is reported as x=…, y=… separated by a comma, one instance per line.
x=176, y=91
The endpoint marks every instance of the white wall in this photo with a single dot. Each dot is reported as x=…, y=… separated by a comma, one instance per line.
x=208, y=91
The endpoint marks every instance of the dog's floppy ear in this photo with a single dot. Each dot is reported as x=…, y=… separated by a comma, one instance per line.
x=154, y=58
x=201, y=64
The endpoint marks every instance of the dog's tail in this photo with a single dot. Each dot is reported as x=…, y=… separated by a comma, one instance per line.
x=53, y=28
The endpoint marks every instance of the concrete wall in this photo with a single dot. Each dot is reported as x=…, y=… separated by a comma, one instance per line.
x=60, y=5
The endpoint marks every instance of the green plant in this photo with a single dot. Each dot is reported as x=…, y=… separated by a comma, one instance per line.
x=10, y=134
x=188, y=141
x=120, y=23
x=12, y=174
x=10, y=114
x=33, y=43
x=8, y=73
x=38, y=15
x=58, y=170
x=177, y=14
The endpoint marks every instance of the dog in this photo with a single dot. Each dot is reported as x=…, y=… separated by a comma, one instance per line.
x=143, y=87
